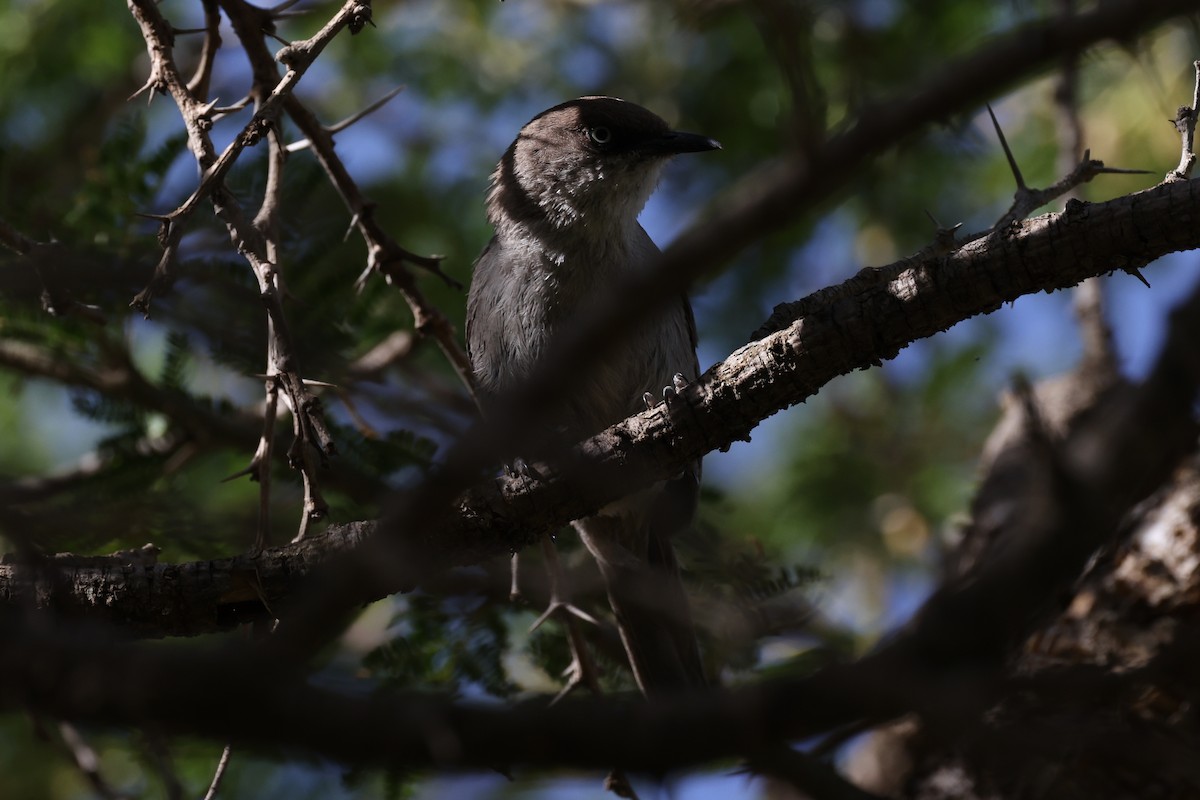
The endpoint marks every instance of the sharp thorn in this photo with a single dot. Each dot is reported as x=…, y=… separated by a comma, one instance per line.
x=1012, y=162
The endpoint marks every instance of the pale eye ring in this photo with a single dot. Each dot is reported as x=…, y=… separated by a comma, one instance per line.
x=600, y=134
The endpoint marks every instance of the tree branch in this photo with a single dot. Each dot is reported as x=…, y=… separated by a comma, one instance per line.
x=858, y=323
x=945, y=666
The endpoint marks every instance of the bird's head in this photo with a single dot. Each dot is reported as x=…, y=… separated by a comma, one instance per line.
x=588, y=165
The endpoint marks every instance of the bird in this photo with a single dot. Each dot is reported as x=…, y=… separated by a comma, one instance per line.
x=564, y=202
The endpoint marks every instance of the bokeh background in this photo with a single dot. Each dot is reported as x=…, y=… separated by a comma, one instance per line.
x=843, y=504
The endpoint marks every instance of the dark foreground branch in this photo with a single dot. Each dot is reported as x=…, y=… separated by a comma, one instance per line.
x=947, y=666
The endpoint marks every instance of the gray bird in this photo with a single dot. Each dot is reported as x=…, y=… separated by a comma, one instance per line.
x=564, y=203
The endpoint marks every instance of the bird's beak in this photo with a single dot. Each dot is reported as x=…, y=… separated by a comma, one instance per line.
x=674, y=142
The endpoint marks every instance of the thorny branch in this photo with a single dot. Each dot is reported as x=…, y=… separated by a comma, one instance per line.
x=805, y=344
x=773, y=196
x=1125, y=448
x=1185, y=124
x=271, y=94
x=267, y=222
x=384, y=255
x=309, y=423
x=1025, y=200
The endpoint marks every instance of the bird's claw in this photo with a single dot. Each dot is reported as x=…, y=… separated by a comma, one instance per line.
x=670, y=394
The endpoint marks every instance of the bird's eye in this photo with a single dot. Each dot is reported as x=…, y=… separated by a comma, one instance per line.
x=600, y=135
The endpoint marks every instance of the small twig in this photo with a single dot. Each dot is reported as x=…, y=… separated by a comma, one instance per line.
x=559, y=604
x=1066, y=101
x=89, y=466
x=221, y=111
x=1185, y=124
x=360, y=422
x=338, y=127
x=256, y=240
x=582, y=669
x=164, y=76
x=261, y=464
x=1025, y=200
x=219, y=774
x=202, y=79
x=1098, y=351
x=87, y=761
x=169, y=236
x=384, y=255
x=397, y=346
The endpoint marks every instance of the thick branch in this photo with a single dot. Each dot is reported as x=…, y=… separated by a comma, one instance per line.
x=947, y=666
x=805, y=344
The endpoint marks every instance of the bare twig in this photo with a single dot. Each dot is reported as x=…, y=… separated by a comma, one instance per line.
x=1185, y=124
x=253, y=238
x=219, y=774
x=1066, y=102
x=396, y=346
x=783, y=190
x=560, y=604
x=201, y=80
x=1025, y=200
x=87, y=762
x=385, y=256
x=1098, y=350
x=297, y=57
x=338, y=127
x=86, y=468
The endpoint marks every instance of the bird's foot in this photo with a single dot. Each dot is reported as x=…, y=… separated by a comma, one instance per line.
x=670, y=394
x=670, y=397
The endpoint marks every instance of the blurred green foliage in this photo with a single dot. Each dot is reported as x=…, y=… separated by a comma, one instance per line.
x=861, y=483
